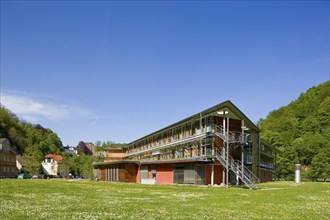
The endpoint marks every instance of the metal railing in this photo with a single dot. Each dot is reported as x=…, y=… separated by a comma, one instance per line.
x=233, y=136
x=247, y=177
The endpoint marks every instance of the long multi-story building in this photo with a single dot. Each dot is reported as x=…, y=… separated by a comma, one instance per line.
x=219, y=145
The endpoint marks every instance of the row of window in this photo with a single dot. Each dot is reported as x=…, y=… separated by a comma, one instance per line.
x=266, y=160
x=8, y=169
x=112, y=174
x=267, y=150
x=183, y=151
x=182, y=174
x=266, y=174
x=180, y=132
x=8, y=158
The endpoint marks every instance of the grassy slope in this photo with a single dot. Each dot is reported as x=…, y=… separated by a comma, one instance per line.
x=63, y=199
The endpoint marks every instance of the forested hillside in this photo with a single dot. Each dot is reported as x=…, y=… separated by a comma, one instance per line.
x=301, y=133
x=27, y=139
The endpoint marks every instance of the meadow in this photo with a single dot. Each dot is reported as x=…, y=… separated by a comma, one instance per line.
x=71, y=199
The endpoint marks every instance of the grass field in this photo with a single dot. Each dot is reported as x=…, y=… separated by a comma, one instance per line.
x=65, y=199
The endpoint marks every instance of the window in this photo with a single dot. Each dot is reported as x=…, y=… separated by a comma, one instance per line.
x=178, y=175
x=144, y=172
x=209, y=123
x=153, y=172
x=249, y=159
x=248, y=155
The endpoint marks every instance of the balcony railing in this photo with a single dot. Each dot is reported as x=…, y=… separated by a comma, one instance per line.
x=206, y=132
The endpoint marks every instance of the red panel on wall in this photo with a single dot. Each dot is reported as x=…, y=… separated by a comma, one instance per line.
x=217, y=174
x=164, y=174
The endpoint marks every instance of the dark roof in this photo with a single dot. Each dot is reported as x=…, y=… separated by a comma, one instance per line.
x=20, y=159
x=3, y=139
x=227, y=105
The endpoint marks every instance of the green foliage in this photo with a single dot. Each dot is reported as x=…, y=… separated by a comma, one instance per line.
x=301, y=133
x=12, y=128
x=32, y=164
x=107, y=144
x=80, y=165
x=32, y=141
x=320, y=165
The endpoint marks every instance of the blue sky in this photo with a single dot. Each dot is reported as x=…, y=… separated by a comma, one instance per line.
x=118, y=70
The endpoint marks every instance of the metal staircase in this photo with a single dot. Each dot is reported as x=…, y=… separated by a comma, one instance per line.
x=243, y=173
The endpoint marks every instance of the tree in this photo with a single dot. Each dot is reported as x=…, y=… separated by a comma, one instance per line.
x=320, y=167
x=301, y=132
x=23, y=135
x=32, y=164
x=285, y=163
x=64, y=167
x=82, y=165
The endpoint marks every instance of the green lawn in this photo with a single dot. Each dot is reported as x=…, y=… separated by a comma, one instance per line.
x=65, y=199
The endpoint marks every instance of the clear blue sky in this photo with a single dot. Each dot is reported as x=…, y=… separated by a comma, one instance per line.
x=114, y=70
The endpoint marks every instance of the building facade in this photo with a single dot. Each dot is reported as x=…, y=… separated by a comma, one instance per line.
x=7, y=160
x=217, y=146
x=51, y=163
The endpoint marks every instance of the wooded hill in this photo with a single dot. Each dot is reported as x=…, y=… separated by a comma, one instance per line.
x=26, y=138
x=301, y=133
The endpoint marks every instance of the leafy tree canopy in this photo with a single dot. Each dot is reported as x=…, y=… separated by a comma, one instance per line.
x=108, y=144
x=301, y=133
x=31, y=141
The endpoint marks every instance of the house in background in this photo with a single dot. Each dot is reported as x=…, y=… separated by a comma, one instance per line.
x=70, y=150
x=19, y=163
x=110, y=155
x=51, y=164
x=219, y=145
x=7, y=160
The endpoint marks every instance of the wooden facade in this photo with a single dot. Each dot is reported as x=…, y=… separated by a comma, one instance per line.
x=8, y=167
x=216, y=146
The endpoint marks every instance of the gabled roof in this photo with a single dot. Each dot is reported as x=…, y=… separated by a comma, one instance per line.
x=233, y=113
x=3, y=139
x=57, y=158
x=5, y=145
x=20, y=159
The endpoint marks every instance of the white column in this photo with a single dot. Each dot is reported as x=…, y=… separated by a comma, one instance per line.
x=212, y=174
x=297, y=173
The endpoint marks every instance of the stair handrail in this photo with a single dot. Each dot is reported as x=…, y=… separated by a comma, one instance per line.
x=248, y=171
x=235, y=167
x=234, y=136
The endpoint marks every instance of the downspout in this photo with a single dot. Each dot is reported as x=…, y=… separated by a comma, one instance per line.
x=259, y=145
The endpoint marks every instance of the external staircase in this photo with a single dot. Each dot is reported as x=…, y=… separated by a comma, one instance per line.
x=243, y=173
